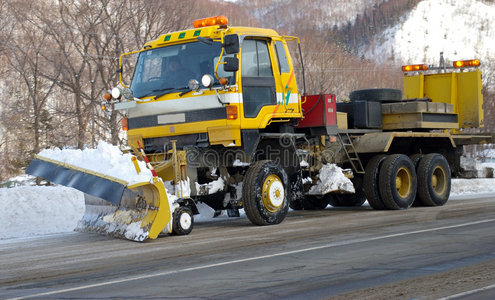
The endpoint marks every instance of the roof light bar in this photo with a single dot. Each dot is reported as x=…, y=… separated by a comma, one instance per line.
x=218, y=20
x=413, y=68
x=466, y=63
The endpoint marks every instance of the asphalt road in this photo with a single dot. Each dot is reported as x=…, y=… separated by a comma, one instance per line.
x=421, y=253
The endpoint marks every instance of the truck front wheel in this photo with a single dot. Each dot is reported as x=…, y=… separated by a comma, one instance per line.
x=398, y=182
x=264, y=193
x=183, y=221
x=434, y=180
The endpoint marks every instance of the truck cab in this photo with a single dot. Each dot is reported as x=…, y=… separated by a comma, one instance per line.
x=208, y=86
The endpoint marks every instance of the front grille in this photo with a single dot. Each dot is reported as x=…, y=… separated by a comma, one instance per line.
x=164, y=144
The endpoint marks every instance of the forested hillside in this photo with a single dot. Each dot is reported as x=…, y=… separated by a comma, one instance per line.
x=59, y=57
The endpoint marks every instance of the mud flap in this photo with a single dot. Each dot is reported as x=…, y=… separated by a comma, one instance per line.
x=135, y=212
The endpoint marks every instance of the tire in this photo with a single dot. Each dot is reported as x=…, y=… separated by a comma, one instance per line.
x=264, y=193
x=370, y=182
x=397, y=182
x=350, y=200
x=296, y=204
x=434, y=180
x=379, y=95
x=183, y=221
x=312, y=202
x=416, y=158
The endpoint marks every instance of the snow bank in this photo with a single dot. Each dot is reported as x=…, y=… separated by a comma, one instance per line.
x=39, y=210
x=106, y=159
x=472, y=186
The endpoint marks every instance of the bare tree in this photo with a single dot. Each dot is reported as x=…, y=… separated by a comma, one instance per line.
x=25, y=118
x=27, y=62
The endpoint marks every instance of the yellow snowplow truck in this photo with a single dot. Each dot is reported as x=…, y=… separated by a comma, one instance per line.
x=217, y=112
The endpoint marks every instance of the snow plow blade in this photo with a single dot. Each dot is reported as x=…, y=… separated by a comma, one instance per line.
x=113, y=207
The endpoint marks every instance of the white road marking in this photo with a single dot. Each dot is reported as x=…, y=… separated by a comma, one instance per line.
x=330, y=245
x=467, y=293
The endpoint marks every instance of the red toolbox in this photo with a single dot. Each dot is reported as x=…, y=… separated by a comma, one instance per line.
x=319, y=111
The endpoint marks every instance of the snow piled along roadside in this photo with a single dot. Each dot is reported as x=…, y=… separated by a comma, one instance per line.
x=472, y=186
x=32, y=210
x=38, y=210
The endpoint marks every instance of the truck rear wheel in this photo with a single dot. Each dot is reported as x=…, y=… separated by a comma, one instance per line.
x=296, y=204
x=312, y=202
x=350, y=200
x=370, y=181
x=416, y=158
x=397, y=182
x=264, y=193
x=434, y=180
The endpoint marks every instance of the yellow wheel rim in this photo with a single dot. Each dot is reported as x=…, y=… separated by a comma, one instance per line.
x=439, y=180
x=403, y=182
x=273, y=193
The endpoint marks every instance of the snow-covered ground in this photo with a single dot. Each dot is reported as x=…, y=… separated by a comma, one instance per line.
x=32, y=211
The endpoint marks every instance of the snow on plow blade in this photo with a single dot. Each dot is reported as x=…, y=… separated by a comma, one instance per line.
x=113, y=207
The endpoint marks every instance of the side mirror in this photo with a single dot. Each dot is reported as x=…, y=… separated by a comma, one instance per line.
x=231, y=43
x=231, y=64
x=127, y=63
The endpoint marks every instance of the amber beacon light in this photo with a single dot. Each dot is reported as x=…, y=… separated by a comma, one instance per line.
x=218, y=20
x=413, y=68
x=467, y=63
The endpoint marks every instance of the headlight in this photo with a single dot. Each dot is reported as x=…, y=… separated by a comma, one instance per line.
x=207, y=80
x=193, y=85
x=116, y=93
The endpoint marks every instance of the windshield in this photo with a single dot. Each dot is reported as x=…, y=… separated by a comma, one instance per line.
x=170, y=68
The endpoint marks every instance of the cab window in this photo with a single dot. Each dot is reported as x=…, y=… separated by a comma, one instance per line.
x=283, y=62
x=258, y=83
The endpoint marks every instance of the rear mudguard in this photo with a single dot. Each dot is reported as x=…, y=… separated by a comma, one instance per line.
x=136, y=212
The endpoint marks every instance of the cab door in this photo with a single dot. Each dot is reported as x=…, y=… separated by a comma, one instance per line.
x=287, y=83
x=258, y=83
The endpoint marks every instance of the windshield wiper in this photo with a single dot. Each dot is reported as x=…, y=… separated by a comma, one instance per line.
x=163, y=91
x=168, y=91
x=185, y=92
x=153, y=92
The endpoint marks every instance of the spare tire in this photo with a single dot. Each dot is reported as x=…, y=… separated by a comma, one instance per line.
x=379, y=95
